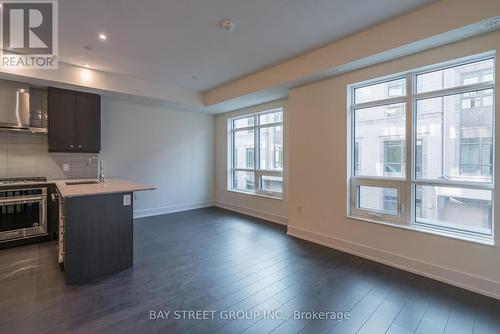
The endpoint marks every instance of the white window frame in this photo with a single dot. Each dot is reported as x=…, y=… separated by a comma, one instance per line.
x=257, y=172
x=407, y=185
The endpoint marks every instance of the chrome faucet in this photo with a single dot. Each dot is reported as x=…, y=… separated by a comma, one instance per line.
x=100, y=166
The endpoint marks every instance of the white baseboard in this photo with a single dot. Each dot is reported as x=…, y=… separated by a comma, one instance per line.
x=171, y=209
x=457, y=278
x=253, y=212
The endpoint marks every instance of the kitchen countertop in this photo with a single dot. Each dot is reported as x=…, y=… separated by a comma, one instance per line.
x=109, y=186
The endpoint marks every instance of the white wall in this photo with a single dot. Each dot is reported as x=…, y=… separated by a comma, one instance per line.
x=171, y=150
x=317, y=128
x=268, y=208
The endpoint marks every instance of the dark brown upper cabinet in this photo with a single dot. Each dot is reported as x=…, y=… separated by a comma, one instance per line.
x=74, y=121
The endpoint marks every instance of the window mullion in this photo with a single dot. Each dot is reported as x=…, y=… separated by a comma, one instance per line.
x=378, y=103
x=455, y=184
x=410, y=148
x=256, y=164
x=455, y=90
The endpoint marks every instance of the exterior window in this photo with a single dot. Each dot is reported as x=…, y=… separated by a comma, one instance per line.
x=394, y=157
x=390, y=200
x=418, y=202
x=418, y=158
x=395, y=110
x=396, y=88
x=451, y=126
x=476, y=156
x=256, y=146
x=356, y=158
x=250, y=157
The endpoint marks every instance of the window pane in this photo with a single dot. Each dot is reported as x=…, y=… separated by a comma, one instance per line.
x=250, y=159
x=272, y=183
x=243, y=122
x=271, y=148
x=243, y=180
x=243, y=145
x=455, y=208
x=481, y=71
x=374, y=129
x=380, y=91
x=394, y=157
x=419, y=158
x=274, y=117
x=356, y=158
x=378, y=199
x=458, y=140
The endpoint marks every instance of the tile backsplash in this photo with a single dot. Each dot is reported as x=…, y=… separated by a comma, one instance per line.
x=27, y=154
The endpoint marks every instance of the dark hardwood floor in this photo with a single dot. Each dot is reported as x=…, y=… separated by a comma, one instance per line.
x=216, y=260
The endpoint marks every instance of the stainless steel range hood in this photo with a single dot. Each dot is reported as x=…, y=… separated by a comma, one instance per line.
x=14, y=105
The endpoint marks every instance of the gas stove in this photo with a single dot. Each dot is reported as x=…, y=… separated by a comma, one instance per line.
x=22, y=180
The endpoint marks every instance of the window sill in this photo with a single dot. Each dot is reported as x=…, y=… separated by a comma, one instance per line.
x=482, y=240
x=255, y=194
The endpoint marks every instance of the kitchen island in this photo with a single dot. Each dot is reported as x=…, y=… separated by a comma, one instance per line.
x=95, y=227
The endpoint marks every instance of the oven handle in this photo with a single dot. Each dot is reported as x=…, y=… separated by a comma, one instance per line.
x=22, y=200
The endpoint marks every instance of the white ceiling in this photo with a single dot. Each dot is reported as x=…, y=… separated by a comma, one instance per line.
x=172, y=41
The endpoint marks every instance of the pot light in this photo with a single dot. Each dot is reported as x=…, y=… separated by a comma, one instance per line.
x=103, y=37
x=227, y=25
x=87, y=65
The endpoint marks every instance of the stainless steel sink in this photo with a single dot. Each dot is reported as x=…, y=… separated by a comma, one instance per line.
x=74, y=183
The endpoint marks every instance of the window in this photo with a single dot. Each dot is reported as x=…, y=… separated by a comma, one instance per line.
x=476, y=156
x=418, y=158
x=356, y=158
x=390, y=201
x=250, y=157
x=256, y=146
x=396, y=88
x=428, y=154
x=394, y=110
x=394, y=157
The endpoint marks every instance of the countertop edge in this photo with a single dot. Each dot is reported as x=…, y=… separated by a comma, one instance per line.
x=69, y=191
x=111, y=185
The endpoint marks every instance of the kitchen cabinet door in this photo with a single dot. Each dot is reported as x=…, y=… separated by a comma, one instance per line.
x=74, y=121
x=61, y=123
x=88, y=122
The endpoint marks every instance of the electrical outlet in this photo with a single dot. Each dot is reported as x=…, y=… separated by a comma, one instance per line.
x=126, y=200
x=65, y=167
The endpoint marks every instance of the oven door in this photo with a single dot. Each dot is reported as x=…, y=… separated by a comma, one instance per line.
x=22, y=216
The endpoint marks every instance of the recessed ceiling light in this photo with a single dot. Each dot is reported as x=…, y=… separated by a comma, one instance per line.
x=227, y=25
x=87, y=65
x=103, y=37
